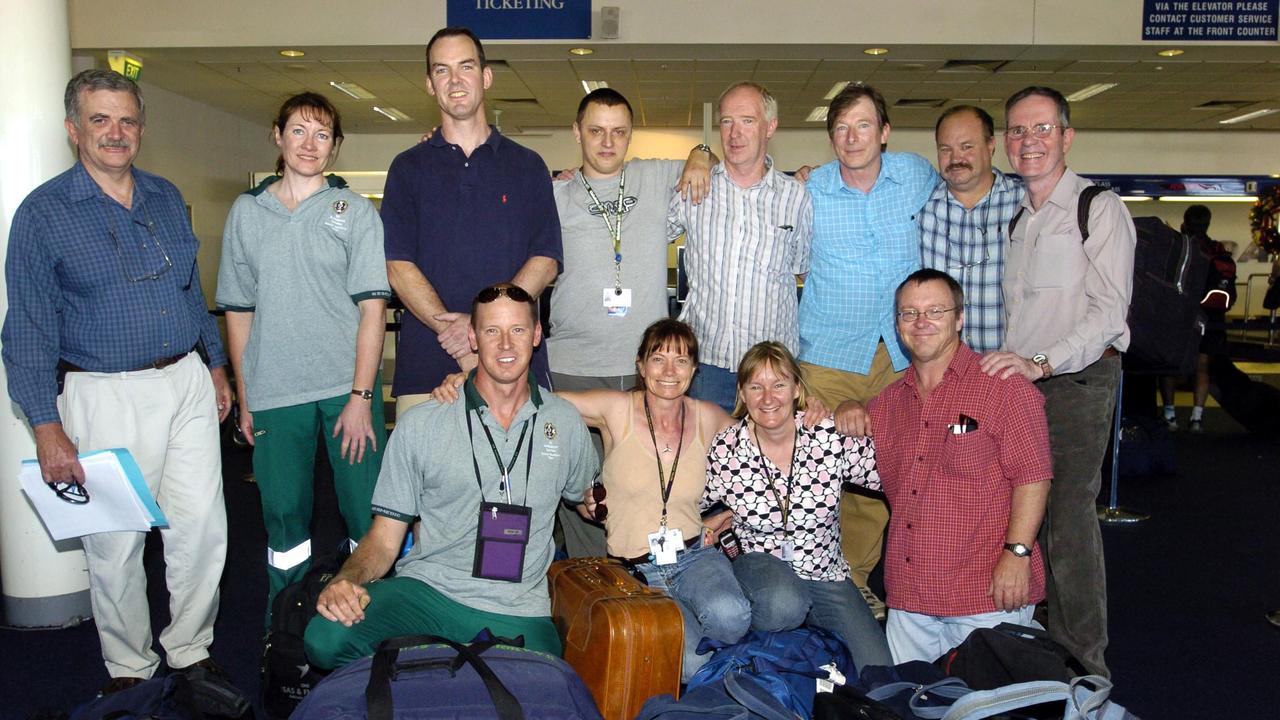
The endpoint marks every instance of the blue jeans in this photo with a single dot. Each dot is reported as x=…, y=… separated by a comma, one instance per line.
x=701, y=582
x=780, y=600
x=715, y=384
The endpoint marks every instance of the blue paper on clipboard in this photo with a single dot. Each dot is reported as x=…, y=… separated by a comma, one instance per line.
x=118, y=497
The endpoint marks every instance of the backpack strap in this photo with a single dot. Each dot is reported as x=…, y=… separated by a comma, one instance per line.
x=1013, y=222
x=988, y=703
x=1082, y=208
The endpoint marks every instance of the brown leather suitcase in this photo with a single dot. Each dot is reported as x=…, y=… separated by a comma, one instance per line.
x=625, y=640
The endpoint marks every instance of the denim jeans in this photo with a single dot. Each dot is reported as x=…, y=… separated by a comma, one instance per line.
x=1078, y=407
x=780, y=600
x=715, y=384
x=702, y=583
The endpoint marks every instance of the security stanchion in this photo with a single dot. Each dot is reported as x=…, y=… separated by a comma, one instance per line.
x=1112, y=513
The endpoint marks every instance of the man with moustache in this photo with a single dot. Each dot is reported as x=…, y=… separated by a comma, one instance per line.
x=613, y=221
x=866, y=239
x=964, y=223
x=745, y=246
x=103, y=340
x=1066, y=301
x=463, y=210
x=965, y=462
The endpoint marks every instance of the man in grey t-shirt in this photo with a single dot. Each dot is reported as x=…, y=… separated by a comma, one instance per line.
x=614, y=284
x=509, y=453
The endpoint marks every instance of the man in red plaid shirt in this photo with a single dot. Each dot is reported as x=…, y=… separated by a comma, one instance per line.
x=965, y=463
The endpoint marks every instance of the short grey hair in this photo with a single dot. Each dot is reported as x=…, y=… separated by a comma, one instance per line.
x=770, y=102
x=95, y=79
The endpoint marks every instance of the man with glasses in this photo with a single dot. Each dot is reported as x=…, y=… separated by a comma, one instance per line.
x=964, y=458
x=464, y=209
x=865, y=241
x=106, y=315
x=1066, y=300
x=964, y=223
x=482, y=477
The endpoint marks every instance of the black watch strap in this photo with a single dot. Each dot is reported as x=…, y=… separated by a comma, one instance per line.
x=1018, y=549
x=366, y=394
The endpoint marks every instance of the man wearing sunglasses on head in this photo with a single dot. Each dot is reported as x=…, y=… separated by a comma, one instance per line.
x=482, y=478
x=1066, y=302
x=105, y=314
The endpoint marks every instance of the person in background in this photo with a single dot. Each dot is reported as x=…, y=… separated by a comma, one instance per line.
x=304, y=285
x=780, y=474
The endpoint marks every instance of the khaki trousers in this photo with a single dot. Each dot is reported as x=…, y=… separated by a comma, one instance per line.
x=168, y=420
x=862, y=519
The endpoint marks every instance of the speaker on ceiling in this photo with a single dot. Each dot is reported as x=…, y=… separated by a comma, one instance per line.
x=610, y=22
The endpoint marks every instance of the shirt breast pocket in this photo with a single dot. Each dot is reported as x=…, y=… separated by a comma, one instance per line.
x=969, y=455
x=1056, y=261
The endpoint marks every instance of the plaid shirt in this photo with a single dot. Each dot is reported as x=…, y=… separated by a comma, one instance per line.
x=969, y=245
x=950, y=495
x=864, y=244
x=743, y=250
x=75, y=272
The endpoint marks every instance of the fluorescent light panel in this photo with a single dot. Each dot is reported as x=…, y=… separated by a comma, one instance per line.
x=356, y=91
x=818, y=114
x=1249, y=116
x=836, y=89
x=392, y=113
x=1088, y=92
x=589, y=86
x=1210, y=198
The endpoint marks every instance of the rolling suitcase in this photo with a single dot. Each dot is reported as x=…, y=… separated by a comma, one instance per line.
x=625, y=640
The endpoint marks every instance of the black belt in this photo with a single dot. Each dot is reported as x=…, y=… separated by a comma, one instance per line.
x=641, y=559
x=66, y=367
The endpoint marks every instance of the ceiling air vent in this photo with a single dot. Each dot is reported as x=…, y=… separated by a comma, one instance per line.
x=1222, y=105
x=987, y=66
x=920, y=103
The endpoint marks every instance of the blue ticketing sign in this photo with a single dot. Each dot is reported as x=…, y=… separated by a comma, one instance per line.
x=523, y=19
x=1210, y=20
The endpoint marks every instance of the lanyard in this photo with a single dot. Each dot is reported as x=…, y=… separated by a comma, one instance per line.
x=615, y=226
x=784, y=502
x=664, y=485
x=505, y=486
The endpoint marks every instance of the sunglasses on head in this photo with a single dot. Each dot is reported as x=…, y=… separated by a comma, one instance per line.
x=513, y=292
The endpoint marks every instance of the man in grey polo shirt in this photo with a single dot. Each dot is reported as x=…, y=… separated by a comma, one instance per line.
x=445, y=465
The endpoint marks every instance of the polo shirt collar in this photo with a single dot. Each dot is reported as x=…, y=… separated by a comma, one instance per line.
x=494, y=140
x=474, y=400
x=83, y=187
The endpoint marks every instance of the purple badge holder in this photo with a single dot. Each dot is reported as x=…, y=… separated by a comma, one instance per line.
x=501, y=537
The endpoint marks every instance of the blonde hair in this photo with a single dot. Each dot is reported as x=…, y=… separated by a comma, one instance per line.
x=774, y=355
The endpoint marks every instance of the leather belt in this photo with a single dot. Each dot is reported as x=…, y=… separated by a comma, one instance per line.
x=1110, y=352
x=66, y=367
x=642, y=559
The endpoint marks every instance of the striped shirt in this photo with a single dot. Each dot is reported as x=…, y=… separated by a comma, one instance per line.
x=968, y=244
x=743, y=250
x=864, y=245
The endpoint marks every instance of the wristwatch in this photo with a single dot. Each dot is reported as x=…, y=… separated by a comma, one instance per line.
x=364, y=394
x=1043, y=361
x=1018, y=549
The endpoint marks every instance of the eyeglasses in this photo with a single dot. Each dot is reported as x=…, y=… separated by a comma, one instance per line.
x=1040, y=130
x=71, y=492
x=493, y=292
x=598, y=495
x=134, y=276
x=933, y=313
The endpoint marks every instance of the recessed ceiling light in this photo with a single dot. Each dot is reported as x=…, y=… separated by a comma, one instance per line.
x=359, y=92
x=876, y=51
x=593, y=85
x=1171, y=52
x=1249, y=116
x=581, y=51
x=1210, y=198
x=836, y=89
x=292, y=53
x=392, y=113
x=818, y=114
x=1088, y=92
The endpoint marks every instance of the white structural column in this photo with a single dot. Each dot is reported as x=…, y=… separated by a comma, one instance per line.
x=42, y=584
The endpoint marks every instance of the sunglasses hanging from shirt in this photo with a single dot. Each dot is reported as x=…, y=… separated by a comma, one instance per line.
x=502, y=529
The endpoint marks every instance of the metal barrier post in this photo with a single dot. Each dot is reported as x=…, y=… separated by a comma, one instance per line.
x=1113, y=514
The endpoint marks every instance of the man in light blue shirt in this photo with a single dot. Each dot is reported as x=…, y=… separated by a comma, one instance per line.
x=866, y=240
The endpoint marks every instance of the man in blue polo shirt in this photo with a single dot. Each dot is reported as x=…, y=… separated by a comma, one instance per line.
x=463, y=210
x=865, y=242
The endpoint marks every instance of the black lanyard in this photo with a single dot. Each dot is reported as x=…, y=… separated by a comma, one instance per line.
x=615, y=226
x=664, y=485
x=784, y=502
x=505, y=486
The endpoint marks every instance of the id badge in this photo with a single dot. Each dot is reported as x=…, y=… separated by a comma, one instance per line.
x=788, y=551
x=664, y=545
x=617, y=304
x=502, y=533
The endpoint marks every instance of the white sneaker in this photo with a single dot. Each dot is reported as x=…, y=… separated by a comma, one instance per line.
x=877, y=606
x=1171, y=421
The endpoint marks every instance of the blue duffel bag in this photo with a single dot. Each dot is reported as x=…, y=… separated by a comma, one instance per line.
x=423, y=676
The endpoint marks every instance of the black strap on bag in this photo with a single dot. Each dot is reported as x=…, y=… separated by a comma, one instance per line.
x=386, y=667
x=1082, y=211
